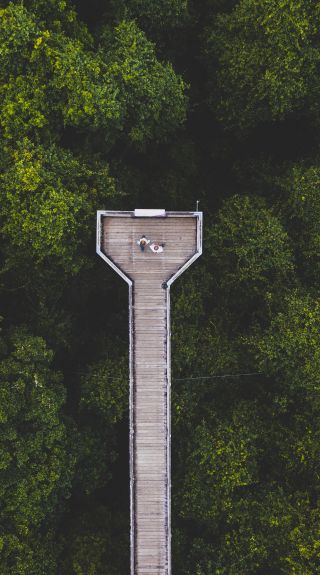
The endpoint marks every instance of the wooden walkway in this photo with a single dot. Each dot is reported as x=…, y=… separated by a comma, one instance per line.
x=149, y=310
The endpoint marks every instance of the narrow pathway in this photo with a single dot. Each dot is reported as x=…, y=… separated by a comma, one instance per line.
x=150, y=443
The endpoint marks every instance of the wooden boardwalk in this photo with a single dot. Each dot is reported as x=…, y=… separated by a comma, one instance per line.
x=149, y=311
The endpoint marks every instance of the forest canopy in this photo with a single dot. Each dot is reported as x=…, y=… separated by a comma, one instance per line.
x=138, y=103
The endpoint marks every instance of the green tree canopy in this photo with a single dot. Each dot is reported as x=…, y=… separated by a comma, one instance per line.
x=46, y=194
x=52, y=78
x=36, y=459
x=301, y=208
x=267, y=54
x=249, y=247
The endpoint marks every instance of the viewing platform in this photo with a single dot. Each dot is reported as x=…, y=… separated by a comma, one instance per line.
x=172, y=241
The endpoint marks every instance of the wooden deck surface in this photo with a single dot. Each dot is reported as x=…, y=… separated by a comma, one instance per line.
x=150, y=378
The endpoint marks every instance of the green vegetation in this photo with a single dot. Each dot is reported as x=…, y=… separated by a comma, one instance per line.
x=140, y=103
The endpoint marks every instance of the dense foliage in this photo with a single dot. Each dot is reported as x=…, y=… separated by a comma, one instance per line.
x=138, y=103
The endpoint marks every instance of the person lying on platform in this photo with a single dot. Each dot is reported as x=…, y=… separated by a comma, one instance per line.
x=156, y=248
x=143, y=242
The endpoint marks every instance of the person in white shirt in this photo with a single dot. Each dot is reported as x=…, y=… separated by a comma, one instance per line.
x=143, y=242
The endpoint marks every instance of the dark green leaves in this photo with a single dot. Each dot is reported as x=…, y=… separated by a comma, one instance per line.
x=36, y=465
x=267, y=54
x=48, y=203
x=249, y=246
